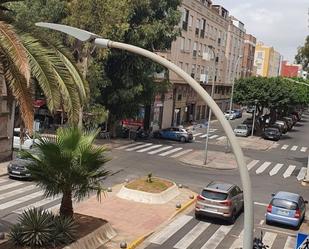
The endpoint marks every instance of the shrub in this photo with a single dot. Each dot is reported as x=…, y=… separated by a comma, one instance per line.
x=64, y=231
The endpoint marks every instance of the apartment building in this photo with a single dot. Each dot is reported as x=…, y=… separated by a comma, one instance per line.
x=234, y=49
x=247, y=68
x=200, y=51
x=291, y=70
x=267, y=61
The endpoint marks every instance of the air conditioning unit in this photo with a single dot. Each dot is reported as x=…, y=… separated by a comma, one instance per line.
x=203, y=78
x=206, y=56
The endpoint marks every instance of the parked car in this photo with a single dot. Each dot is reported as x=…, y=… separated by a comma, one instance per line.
x=250, y=109
x=17, y=168
x=174, y=133
x=28, y=140
x=230, y=115
x=242, y=130
x=238, y=113
x=286, y=208
x=271, y=133
x=220, y=200
x=283, y=125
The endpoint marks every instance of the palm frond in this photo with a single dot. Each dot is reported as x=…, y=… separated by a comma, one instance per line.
x=14, y=48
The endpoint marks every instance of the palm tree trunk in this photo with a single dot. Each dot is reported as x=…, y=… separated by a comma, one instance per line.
x=66, y=207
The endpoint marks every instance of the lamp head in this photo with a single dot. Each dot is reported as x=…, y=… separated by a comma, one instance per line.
x=79, y=34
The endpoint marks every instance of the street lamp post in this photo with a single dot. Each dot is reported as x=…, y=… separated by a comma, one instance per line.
x=244, y=174
x=253, y=121
x=209, y=113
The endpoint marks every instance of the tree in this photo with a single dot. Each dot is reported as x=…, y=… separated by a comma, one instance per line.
x=302, y=56
x=71, y=166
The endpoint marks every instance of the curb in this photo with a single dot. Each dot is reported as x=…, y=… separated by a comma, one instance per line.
x=141, y=239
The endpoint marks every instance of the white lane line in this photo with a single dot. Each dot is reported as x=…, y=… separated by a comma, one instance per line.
x=217, y=237
x=289, y=171
x=294, y=148
x=252, y=164
x=275, y=169
x=212, y=130
x=239, y=241
x=170, y=230
x=127, y=146
x=17, y=191
x=269, y=238
x=10, y=185
x=139, y=147
x=37, y=204
x=170, y=151
x=213, y=136
x=221, y=138
x=284, y=147
x=21, y=200
x=260, y=204
x=302, y=173
x=290, y=243
x=262, y=222
x=186, y=241
x=203, y=136
x=197, y=134
x=303, y=149
x=181, y=153
x=150, y=148
x=264, y=166
x=159, y=150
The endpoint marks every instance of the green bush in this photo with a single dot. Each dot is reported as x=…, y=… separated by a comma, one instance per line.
x=40, y=228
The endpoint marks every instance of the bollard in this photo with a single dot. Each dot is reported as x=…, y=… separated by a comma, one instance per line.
x=191, y=196
x=123, y=245
x=109, y=189
x=126, y=180
x=180, y=185
x=178, y=205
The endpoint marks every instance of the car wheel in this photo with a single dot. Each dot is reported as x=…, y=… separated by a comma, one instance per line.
x=182, y=139
x=268, y=222
x=197, y=216
x=232, y=219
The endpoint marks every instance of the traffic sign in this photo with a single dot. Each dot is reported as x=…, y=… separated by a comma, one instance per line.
x=302, y=241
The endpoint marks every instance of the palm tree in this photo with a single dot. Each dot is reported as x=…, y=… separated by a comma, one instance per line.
x=71, y=166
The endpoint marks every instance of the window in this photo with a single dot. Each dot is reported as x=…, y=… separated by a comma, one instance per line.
x=187, y=68
x=194, y=49
x=179, y=97
x=189, y=45
x=190, y=23
x=185, y=17
x=180, y=64
x=198, y=70
x=197, y=27
x=202, y=69
x=200, y=49
x=182, y=43
x=260, y=55
x=193, y=70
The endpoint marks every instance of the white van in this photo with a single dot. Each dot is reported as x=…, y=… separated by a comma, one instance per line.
x=28, y=141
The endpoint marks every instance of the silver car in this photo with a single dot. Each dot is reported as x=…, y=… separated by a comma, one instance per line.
x=220, y=200
x=242, y=130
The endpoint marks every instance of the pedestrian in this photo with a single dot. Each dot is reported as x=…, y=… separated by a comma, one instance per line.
x=306, y=245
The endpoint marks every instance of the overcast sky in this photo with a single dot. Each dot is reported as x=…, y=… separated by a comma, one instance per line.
x=282, y=24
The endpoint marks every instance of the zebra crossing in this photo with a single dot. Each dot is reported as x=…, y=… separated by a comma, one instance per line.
x=212, y=136
x=18, y=196
x=272, y=169
x=187, y=232
x=288, y=147
x=155, y=149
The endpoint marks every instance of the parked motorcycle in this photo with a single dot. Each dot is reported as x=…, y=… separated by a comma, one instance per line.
x=258, y=243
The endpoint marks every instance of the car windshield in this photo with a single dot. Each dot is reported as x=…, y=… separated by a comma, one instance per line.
x=214, y=195
x=281, y=203
x=271, y=129
x=241, y=127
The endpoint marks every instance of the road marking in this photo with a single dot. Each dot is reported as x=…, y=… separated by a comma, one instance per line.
x=186, y=241
x=203, y=136
x=294, y=148
x=181, y=153
x=302, y=173
x=290, y=243
x=170, y=151
x=284, y=147
x=127, y=146
x=239, y=241
x=262, y=222
x=17, y=191
x=275, y=169
x=197, y=134
x=212, y=130
x=150, y=148
x=21, y=200
x=221, y=138
x=275, y=231
x=170, y=230
x=213, y=136
x=289, y=171
x=37, y=204
x=217, y=237
x=252, y=164
x=303, y=149
x=139, y=147
x=269, y=238
x=159, y=150
x=10, y=185
x=264, y=166
x=260, y=204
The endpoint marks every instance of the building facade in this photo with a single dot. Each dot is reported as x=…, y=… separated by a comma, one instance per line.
x=291, y=70
x=199, y=51
x=267, y=61
x=248, y=68
x=234, y=49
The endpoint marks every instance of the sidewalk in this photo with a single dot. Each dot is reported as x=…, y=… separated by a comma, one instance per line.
x=215, y=160
x=3, y=168
x=131, y=220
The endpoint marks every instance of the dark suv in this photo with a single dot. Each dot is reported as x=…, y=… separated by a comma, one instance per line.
x=220, y=200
